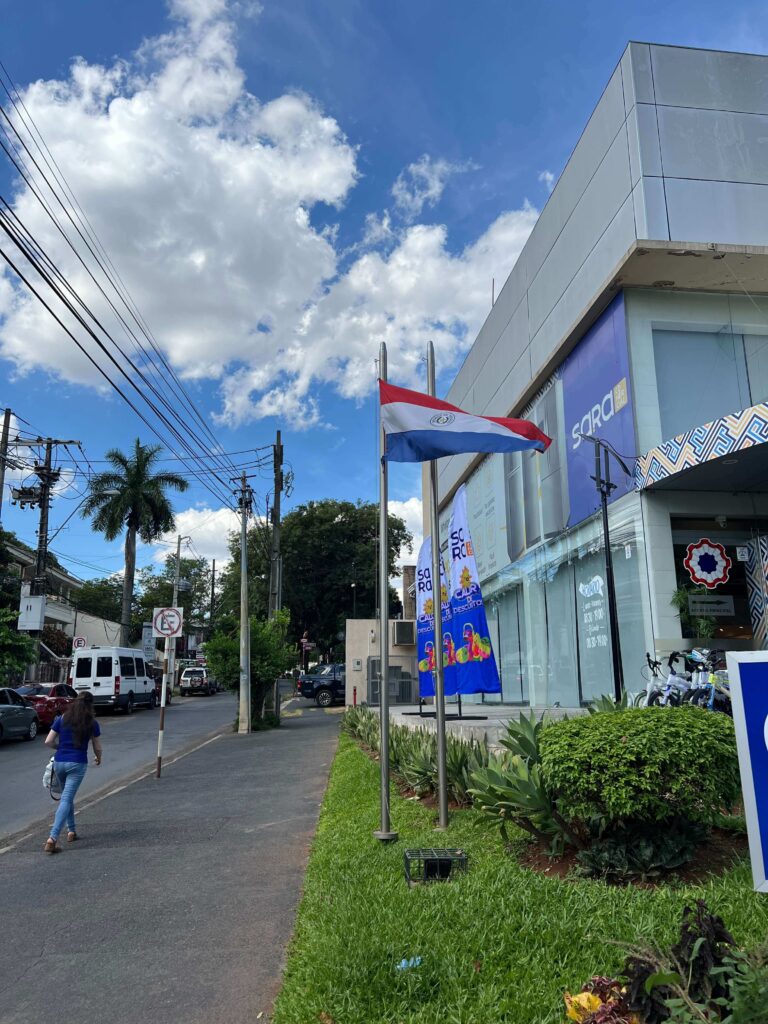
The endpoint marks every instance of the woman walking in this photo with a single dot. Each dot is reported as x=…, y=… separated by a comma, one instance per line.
x=73, y=730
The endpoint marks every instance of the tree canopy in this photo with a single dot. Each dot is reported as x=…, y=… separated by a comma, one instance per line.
x=326, y=546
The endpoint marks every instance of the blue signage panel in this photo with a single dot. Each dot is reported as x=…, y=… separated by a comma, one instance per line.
x=748, y=676
x=597, y=400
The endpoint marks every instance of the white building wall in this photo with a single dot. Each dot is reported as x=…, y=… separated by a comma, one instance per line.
x=677, y=148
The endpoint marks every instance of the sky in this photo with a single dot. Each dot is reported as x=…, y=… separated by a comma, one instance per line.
x=282, y=186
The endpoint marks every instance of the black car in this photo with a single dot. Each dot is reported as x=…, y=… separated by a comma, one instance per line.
x=325, y=685
x=17, y=716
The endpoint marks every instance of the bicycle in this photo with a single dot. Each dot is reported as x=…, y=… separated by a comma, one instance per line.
x=663, y=690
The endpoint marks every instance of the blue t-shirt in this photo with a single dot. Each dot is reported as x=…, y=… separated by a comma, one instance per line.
x=66, y=750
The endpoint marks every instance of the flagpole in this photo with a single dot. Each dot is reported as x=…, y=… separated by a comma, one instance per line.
x=434, y=529
x=385, y=833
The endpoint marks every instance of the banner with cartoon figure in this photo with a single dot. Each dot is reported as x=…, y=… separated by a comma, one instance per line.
x=476, y=669
x=425, y=628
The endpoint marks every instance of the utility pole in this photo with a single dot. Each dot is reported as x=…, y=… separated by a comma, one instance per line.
x=213, y=596
x=169, y=660
x=4, y=456
x=274, y=571
x=48, y=477
x=244, y=719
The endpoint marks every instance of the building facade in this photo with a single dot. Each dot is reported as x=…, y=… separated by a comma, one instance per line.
x=637, y=313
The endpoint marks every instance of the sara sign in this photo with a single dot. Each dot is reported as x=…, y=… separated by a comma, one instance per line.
x=597, y=401
x=748, y=676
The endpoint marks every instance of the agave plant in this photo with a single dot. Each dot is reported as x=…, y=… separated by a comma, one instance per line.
x=419, y=760
x=522, y=738
x=607, y=703
x=462, y=759
x=511, y=789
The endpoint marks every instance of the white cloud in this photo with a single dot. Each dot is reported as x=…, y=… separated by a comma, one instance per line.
x=548, y=179
x=202, y=195
x=422, y=183
x=410, y=511
x=209, y=530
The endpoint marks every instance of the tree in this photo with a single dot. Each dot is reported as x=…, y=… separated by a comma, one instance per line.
x=140, y=507
x=17, y=650
x=56, y=640
x=326, y=547
x=156, y=591
x=272, y=654
x=101, y=598
x=10, y=580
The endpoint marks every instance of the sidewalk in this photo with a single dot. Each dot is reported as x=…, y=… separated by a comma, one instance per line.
x=179, y=900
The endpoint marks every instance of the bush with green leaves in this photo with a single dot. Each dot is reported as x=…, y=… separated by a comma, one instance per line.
x=642, y=764
x=641, y=851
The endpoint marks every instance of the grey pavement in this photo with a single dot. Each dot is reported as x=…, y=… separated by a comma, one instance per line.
x=130, y=743
x=177, y=903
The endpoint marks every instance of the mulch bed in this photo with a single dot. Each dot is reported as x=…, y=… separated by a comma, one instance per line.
x=713, y=857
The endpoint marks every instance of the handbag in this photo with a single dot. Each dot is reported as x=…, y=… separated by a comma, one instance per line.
x=48, y=774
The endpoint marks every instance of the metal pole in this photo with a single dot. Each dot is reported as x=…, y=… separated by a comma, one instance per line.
x=605, y=489
x=434, y=529
x=213, y=597
x=244, y=719
x=274, y=562
x=385, y=832
x=4, y=456
x=46, y=476
x=169, y=666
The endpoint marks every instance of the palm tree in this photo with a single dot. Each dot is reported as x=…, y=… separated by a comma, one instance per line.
x=130, y=497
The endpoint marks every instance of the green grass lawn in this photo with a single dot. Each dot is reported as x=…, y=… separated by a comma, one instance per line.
x=498, y=944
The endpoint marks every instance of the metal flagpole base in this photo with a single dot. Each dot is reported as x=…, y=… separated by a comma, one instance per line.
x=385, y=837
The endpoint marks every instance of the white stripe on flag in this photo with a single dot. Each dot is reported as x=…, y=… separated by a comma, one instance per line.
x=398, y=417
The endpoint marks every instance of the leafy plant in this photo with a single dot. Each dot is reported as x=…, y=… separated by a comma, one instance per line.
x=418, y=762
x=608, y=703
x=699, y=627
x=523, y=737
x=637, y=850
x=462, y=760
x=511, y=790
x=690, y=980
x=17, y=650
x=749, y=990
x=644, y=764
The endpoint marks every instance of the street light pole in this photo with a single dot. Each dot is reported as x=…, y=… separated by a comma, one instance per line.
x=605, y=488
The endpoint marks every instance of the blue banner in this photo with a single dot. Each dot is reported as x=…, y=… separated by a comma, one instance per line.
x=425, y=626
x=748, y=675
x=597, y=400
x=471, y=654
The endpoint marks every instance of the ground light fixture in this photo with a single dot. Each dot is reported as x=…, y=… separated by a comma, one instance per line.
x=433, y=865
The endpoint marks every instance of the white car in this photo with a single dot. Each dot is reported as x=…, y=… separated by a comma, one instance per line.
x=196, y=680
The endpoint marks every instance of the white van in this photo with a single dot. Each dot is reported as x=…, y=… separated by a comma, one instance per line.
x=116, y=676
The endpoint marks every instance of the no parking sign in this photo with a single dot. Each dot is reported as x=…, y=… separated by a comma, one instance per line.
x=748, y=676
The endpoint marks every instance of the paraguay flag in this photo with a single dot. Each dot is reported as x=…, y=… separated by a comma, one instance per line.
x=420, y=428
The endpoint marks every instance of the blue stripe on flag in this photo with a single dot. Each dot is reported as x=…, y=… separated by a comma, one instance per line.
x=424, y=445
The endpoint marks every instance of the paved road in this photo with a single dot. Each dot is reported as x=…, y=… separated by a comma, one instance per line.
x=129, y=744
x=178, y=901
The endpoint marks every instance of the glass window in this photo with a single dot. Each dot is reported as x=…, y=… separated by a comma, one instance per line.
x=513, y=477
x=4, y=697
x=756, y=352
x=83, y=668
x=103, y=667
x=700, y=376
x=140, y=666
x=16, y=699
x=127, y=669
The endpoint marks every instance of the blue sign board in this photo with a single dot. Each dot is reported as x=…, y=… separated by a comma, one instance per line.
x=597, y=400
x=748, y=677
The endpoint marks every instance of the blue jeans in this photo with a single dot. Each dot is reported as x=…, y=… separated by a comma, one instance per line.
x=70, y=774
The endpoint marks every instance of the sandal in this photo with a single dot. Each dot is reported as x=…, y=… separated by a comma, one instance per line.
x=72, y=837
x=50, y=846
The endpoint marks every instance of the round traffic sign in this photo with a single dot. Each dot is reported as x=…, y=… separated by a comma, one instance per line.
x=167, y=622
x=79, y=642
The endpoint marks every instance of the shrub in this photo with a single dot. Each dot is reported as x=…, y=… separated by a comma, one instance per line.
x=639, y=850
x=645, y=764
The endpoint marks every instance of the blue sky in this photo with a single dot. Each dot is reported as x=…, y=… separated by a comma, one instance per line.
x=286, y=184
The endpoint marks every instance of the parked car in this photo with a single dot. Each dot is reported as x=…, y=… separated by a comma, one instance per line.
x=156, y=675
x=116, y=676
x=196, y=680
x=17, y=716
x=324, y=685
x=50, y=701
